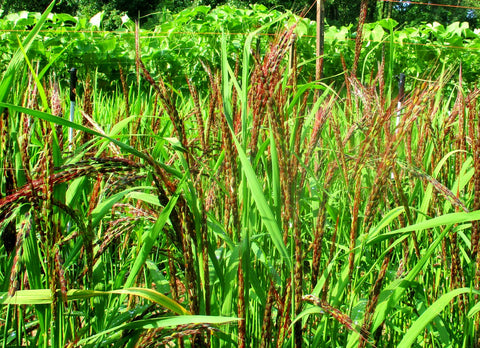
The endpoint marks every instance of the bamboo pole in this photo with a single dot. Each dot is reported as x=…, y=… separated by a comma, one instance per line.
x=320, y=39
x=401, y=96
x=73, y=93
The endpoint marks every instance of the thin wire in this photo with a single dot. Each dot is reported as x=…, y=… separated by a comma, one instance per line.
x=313, y=37
x=71, y=30
x=430, y=4
x=314, y=3
x=273, y=34
x=155, y=34
x=421, y=44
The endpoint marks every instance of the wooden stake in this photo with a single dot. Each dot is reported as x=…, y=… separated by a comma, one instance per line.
x=320, y=39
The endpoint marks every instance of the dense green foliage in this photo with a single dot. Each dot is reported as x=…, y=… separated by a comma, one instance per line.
x=338, y=12
x=214, y=194
x=413, y=15
x=175, y=47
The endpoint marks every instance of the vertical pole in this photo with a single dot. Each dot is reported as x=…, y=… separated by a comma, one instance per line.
x=320, y=40
x=401, y=95
x=258, y=48
x=73, y=93
x=292, y=56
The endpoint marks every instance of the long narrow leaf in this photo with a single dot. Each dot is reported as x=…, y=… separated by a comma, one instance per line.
x=66, y=123
x=44, y=296
x=149, y=240
x=431, y=313
x=17, y=59
x=168, y=322
x=393, y=292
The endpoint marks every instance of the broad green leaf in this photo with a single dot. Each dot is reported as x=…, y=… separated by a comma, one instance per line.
x=96, y=20
x=388, y=23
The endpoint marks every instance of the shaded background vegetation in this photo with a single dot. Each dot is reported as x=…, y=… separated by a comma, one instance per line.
x=338, y=12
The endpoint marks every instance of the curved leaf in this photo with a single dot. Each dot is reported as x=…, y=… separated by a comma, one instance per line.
x=167, y=322
x=435, y=309
x=44, y=296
